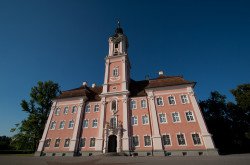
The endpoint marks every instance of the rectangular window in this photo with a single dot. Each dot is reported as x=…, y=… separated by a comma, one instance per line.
x=61, y=126
x=66, y=110
x=74, y=109
x=66, y=143
x=171, y=100
x=96, y=109
x=134, y=120
x=71, y=124
x=181, y=139
x=184, y=99
x=145, y=120
x=132, y=104
x=113, y=122
x=57, y=111
x=85, y=123
x=189, y=116
x=162, y=118
x=92, y=142
x=47, y=142
x=159, y=101
x=94, y=123
x=115, y=72
x=53, y=125
x=196, y=139
x=57, y=143
x=135, y=141
x=147, y=141
x=176, y=117
x=82, y=142
x=166, y=140
x=87, y=109
x=143, y=104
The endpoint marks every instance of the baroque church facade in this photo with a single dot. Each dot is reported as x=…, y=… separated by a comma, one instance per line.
x=158, y=116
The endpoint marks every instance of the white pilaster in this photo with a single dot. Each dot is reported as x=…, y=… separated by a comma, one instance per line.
x=41, y=142
x=125, y=139
x=106, y=76
x=207, y=139
x=157, y=144
x=99, y=140
x=124, y=74
x=77, y=126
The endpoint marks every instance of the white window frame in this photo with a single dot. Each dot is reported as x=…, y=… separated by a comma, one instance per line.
x=149, y=139
x=65, y=142
x=87, y=121
x=165, y=115
x=171, y=96
x=74, y=109
x=84, y=142
x=88, y=107
x=133, y=106
x=162, y=101
x=199, y=137
x=96, y=108
x=57, y=111
x=183, y=137
x=59, y=143
x=138, y=140
x=116, y=105
x=132, y=121
x=70, y=123
x=189, y=116
x=63, y=121
x=64, y=111
x=90, y=142
x=187, y=99
x=93, y=122
x=52, y=124
x=170, y=139
x=179, y=117
x=46, y=141
x=144, y=107
x=115, y=72
x=112, y=124
x=147, y=120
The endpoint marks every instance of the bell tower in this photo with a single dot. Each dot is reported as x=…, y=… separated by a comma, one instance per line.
x=117, y=68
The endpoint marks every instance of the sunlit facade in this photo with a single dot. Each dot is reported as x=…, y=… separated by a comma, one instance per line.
x=158, y=116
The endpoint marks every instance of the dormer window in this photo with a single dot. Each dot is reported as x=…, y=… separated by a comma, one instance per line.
x=115, y=72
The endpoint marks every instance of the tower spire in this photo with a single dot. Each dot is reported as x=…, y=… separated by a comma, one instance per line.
x=118, y=28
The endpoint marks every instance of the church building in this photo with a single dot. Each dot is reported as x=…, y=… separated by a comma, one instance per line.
x=153, y=117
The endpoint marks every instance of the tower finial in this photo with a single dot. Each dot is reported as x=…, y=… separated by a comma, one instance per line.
x=118, y=23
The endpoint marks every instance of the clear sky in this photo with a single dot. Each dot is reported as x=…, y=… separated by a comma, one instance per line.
x=66, y=42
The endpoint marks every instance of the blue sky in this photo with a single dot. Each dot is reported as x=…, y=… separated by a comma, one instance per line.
x=66, y=42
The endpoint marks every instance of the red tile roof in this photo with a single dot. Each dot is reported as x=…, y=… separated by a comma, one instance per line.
x=136, y=88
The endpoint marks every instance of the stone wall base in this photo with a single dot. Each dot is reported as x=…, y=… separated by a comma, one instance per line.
x=212, y=152
x=91, y=153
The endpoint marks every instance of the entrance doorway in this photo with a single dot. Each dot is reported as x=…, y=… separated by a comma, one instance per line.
x=112, y=143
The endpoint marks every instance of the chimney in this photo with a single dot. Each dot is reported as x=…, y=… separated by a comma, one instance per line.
x=84, y=83
x=93, y=85
x=161, y=73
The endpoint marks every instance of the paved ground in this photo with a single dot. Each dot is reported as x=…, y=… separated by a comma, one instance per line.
x=243, y=159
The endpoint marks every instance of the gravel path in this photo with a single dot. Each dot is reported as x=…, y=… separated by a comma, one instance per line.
x=243, y=159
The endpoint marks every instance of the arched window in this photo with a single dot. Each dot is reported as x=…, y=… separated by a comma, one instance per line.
x=115, y=72
x=114, y=105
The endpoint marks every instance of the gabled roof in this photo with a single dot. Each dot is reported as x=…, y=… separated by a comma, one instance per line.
x=136, y=88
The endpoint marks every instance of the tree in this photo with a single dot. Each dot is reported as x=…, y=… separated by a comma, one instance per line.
x=229, y=122
x=38, y=107
x=5, y=143
x=242, y=96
